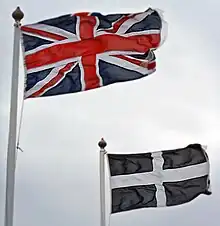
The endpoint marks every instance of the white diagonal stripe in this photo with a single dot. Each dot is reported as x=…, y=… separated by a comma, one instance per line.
x=38, y=36
x=126, y=64
x=130, y=22
x=47, y=79
x=51, y=29
x=50, y=45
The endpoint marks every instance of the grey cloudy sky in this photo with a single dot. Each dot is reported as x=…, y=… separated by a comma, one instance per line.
x=57, y=175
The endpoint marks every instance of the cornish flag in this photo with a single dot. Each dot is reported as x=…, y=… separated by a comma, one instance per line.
x=158, y=179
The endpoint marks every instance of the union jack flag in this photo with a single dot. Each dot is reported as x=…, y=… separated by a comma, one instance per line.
x=83, y=51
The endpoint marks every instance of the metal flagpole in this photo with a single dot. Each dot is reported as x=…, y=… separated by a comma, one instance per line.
x=11, y=154
x=102, y=144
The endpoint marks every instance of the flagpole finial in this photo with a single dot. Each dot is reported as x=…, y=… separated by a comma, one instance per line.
x=17, y=15
x=102, y=143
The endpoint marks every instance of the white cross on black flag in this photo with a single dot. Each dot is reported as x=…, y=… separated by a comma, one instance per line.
x=158, y=179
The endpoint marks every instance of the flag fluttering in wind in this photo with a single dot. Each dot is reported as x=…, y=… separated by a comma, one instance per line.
x=83, y=51
x=158, y=179
x=77, y=52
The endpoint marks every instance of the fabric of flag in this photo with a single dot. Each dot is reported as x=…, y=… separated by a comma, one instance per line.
x=158, y=179
x=84, y=51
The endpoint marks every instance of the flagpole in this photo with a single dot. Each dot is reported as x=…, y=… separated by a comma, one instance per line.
x=102, y=144
x=17, y=15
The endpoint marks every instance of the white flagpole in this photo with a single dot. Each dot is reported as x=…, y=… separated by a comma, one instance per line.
x=11, y=154
x=102, y=144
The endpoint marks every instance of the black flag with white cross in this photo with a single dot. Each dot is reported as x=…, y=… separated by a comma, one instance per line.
x=158, y=179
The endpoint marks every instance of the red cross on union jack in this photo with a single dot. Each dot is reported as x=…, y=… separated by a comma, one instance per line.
x=88, y=46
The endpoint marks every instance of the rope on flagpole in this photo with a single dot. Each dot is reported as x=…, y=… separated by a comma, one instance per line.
x=19, y=127
x=18, y=148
